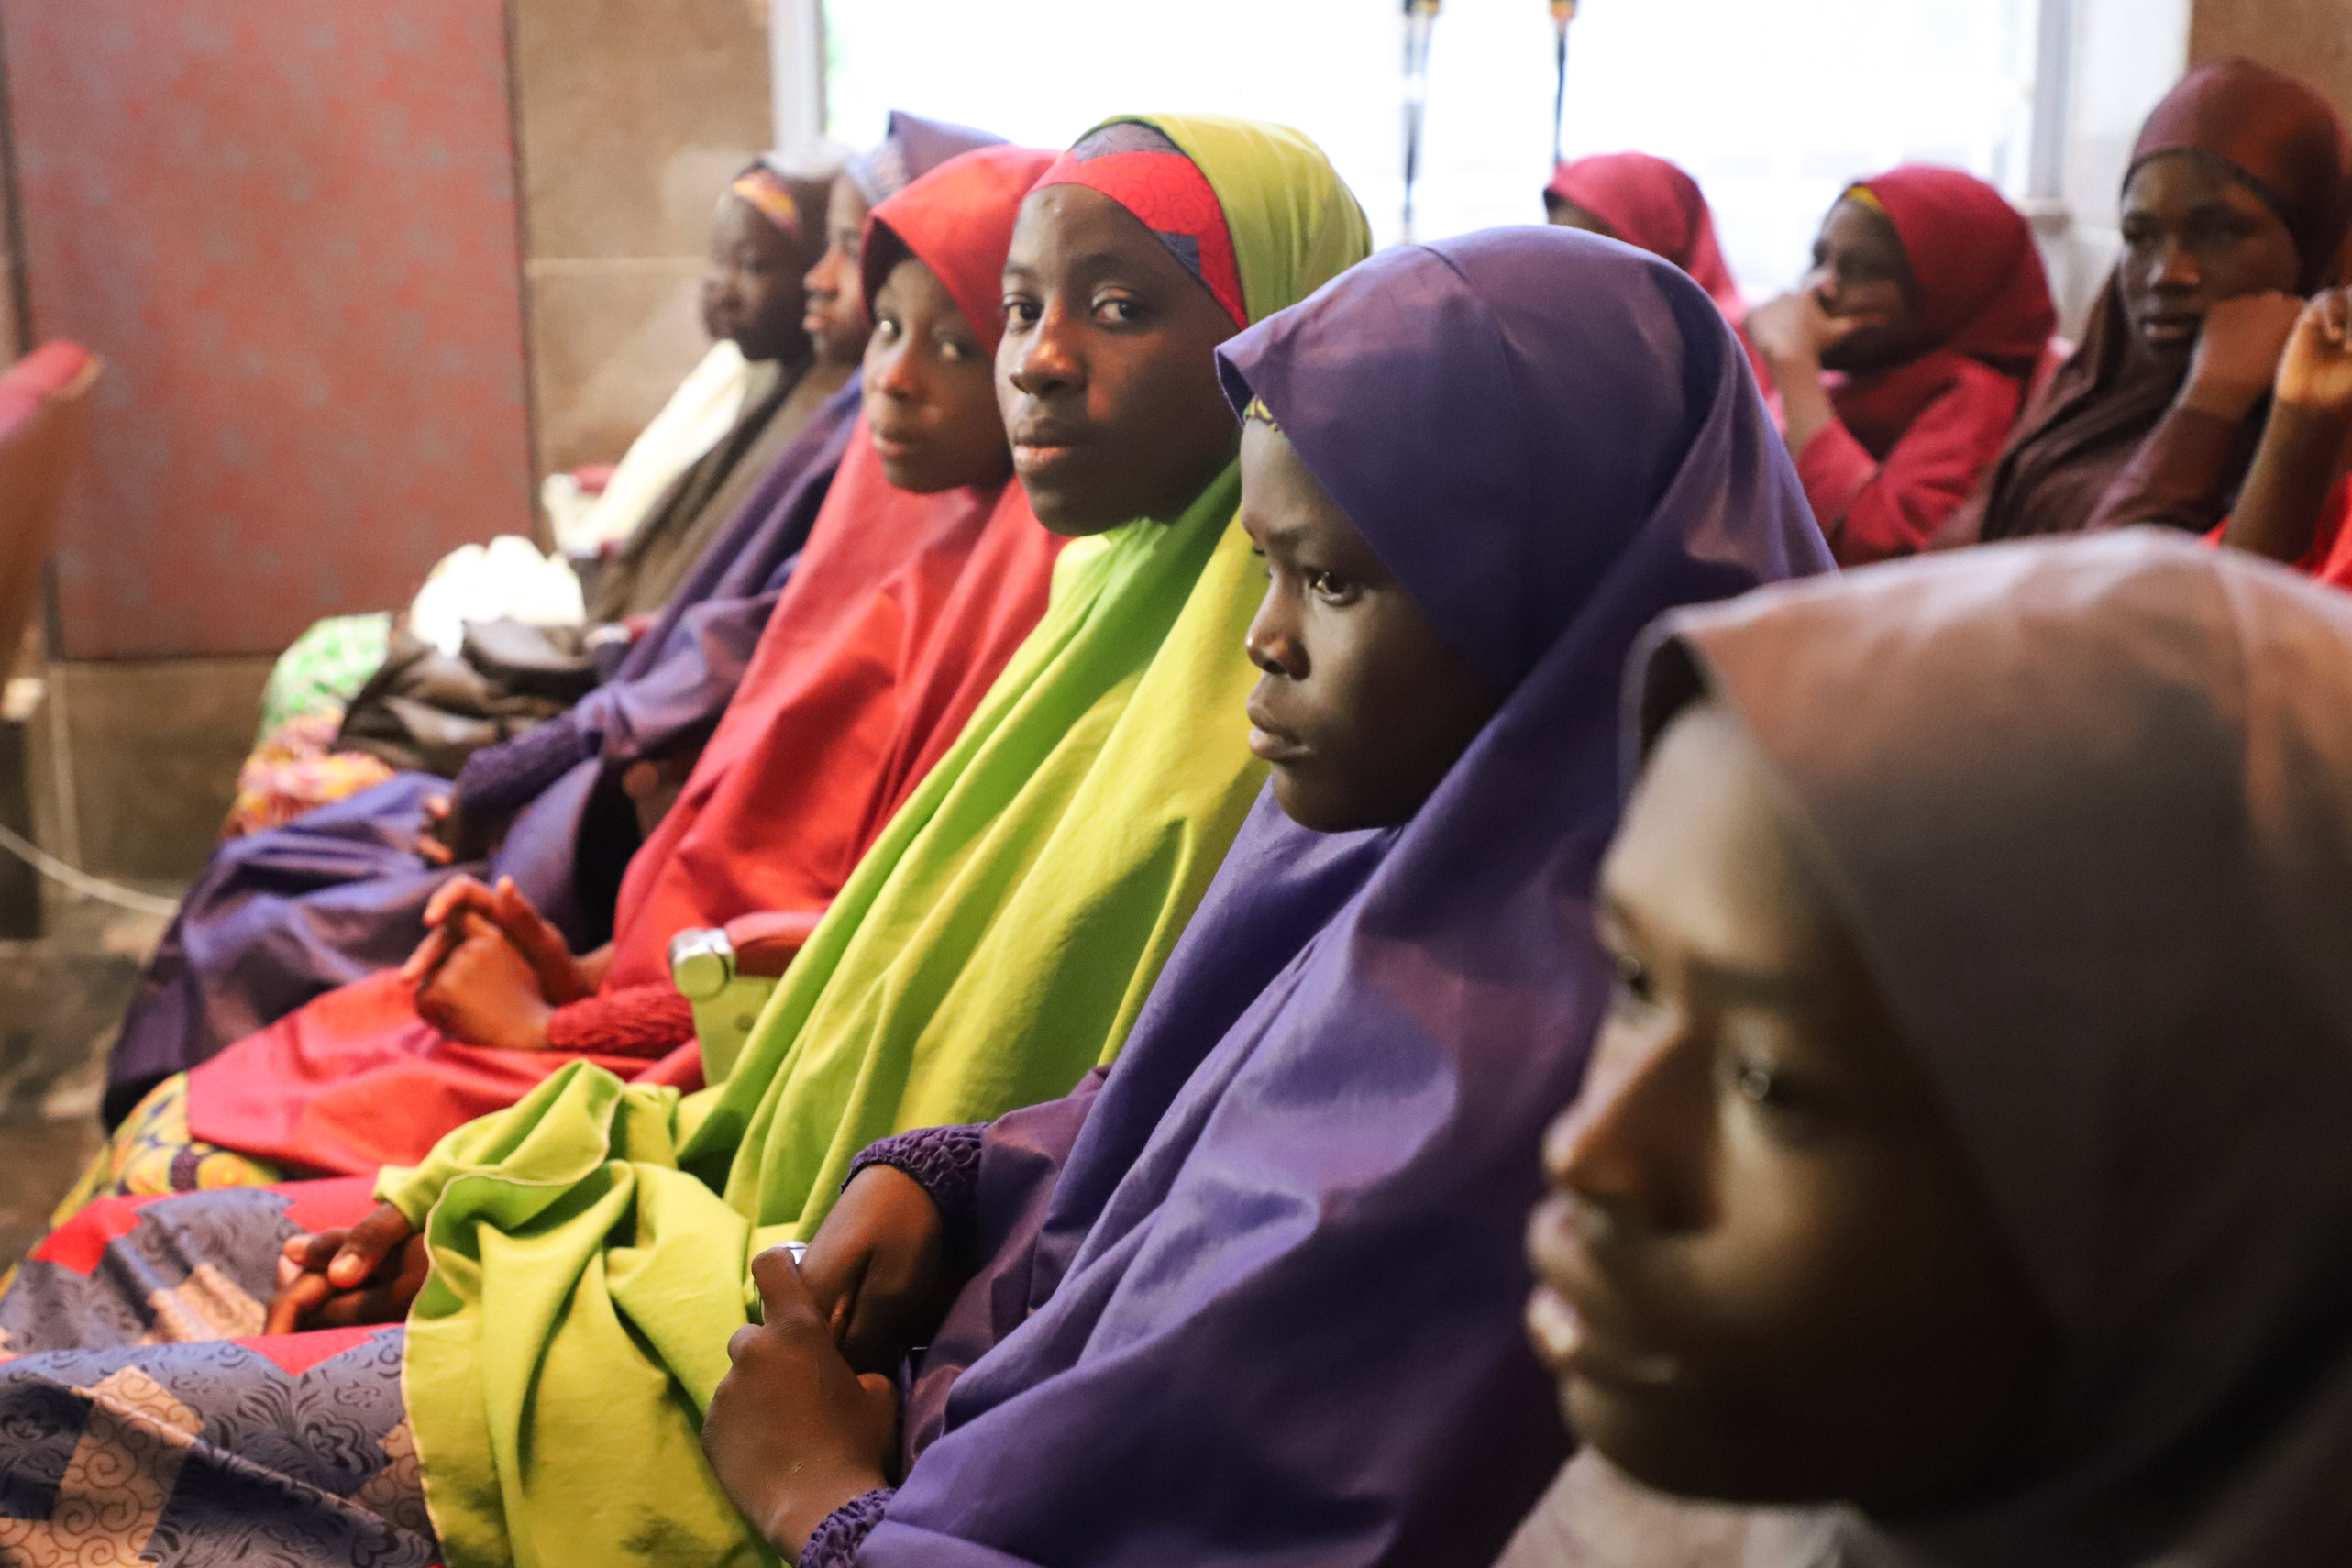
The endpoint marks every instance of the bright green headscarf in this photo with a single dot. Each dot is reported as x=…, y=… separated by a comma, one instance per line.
x=591, y=1246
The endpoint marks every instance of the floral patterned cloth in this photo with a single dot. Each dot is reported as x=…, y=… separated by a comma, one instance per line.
x=295, y=768
x=153, y=1154
x=145, y=1420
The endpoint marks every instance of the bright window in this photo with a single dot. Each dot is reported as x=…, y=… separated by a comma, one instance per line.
x=1774, y=107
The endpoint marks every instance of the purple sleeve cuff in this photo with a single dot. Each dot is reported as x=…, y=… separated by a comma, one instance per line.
x=945, y=1163
x=835, y=1542
x=499, y=780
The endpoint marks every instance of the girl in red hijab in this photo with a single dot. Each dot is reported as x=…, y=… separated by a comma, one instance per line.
x=2234, y=206
x=913, y=590
x=1904, y=356
x=1649, y=203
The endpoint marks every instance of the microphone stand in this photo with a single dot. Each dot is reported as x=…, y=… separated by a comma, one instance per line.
x=1562, y=13
x=1419, y=14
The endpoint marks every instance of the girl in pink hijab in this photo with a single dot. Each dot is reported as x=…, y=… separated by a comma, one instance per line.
x=1963, y=1153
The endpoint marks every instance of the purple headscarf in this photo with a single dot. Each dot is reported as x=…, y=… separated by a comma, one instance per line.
x=1279, y=1282
x=910, y=147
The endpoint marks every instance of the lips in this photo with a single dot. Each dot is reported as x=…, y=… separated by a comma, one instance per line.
x=1040, y=445
x=1270, y=742
x=1567, y=1317
x=2171, y=328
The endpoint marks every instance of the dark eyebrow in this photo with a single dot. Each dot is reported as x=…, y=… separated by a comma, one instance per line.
x=1289, y=534
x=1727, y=981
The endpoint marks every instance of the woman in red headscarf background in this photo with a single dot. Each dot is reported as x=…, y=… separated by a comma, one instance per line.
x=1904, y=356
x=1652, y=204
x=2234, y=205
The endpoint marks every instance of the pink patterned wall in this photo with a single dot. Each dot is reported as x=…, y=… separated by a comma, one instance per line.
x=289, y=227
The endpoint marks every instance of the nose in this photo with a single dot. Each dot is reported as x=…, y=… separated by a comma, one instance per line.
x=832, y=275
x=1635, y=1146
x=892, y=371
x=2175, y=267
x=1272, y=641
x=1046, y=360
x=1821, y=283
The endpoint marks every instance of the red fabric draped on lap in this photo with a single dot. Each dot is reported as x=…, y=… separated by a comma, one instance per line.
x=812, y=759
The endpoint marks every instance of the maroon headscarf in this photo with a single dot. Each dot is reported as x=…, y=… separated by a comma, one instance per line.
x=1981, y=290
x=2288, y=145
x=1649, y=202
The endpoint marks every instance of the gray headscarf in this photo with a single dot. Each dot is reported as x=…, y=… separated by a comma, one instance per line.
x=2090, y=805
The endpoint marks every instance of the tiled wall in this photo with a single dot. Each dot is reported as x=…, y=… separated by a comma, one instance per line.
x=290, y=227
x=633, y=115
x=2310, y=38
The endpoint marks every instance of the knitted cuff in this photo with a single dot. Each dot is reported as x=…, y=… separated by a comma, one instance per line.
x=635, y=1020
x=499, y=780
x=944, y=1161
x=835, y=1542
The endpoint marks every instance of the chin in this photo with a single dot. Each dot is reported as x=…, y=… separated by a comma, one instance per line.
x=1671, y=1447
x=1317, y=810
x=1072, y=517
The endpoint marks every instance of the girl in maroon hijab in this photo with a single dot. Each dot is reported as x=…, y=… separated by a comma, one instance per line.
x=2236, y=204
x=1904, y=356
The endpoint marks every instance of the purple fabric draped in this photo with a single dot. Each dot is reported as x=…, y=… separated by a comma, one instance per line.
x=1288, y=1228
x=910, y=147
x=285, y=916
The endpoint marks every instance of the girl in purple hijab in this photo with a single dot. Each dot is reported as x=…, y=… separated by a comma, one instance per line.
x=283, y=916
x=1265, y=1307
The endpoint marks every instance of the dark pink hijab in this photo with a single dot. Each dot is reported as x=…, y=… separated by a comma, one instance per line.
x=2090, y=805
x=1651, y=204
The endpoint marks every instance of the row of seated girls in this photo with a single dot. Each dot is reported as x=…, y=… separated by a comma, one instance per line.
x=1283, y=755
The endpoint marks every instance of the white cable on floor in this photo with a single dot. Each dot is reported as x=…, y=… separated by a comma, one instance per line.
x=81, y=882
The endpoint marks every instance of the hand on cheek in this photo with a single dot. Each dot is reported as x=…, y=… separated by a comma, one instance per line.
x=793, y=1432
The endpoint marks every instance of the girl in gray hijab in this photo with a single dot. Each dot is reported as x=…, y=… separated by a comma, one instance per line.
x=1969, y=1148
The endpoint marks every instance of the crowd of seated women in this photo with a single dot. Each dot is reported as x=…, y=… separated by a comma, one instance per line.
x=1389, y=960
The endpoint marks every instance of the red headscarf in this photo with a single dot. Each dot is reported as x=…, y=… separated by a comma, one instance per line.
x=960, y=212
x=1142, y=170
x=2287, y=143
x=901, y=612
x=1981, y=290
x=1649, y=202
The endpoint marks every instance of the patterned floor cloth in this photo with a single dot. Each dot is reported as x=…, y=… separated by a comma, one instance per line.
x=153, y=1154
x=141, y=1418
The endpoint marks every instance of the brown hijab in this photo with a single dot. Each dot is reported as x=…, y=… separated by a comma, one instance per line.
x=2088, y=806
x=2288, y=145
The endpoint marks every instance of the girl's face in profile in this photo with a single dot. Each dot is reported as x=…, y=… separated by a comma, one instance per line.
x=1361, y=707
x=1768, y=1274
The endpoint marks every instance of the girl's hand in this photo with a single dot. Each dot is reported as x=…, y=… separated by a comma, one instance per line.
x=873, y=1271
x=2315, y=371
x=562, y=977
x=793, y=1432
x=1792, y=332
x=486, y=993
x=2237, y=353
x=333, y=1279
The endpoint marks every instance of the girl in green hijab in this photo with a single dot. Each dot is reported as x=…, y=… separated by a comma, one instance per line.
x=590, y=1248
